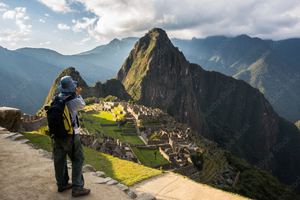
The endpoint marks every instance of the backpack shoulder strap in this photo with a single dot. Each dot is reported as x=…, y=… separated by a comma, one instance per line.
x=69, y=98
x=56, y=98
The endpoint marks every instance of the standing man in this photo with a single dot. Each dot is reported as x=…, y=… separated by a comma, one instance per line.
x=64, y=147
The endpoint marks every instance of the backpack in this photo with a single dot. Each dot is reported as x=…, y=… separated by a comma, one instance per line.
x=59, y=118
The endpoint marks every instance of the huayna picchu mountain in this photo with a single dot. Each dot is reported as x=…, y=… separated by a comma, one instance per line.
x=229, y=111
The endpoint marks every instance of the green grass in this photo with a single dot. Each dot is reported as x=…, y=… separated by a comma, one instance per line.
x=104, y=117
x=116, y=113
x=149, y=155
x=124, y=171
x=99, y=117
x=140, y=156
x=39, y=140
x=119, y=109
x=89, y=127
x=109, y=130
x=89, y=107
x=133, y=139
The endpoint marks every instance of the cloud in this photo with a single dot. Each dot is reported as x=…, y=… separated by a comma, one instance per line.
x=85, y=39
x=81, y=42
x=3, y=5
x=57, y=5
x=63, y=27
x=193, y=18
x=41, y=20
x=9, y=14
x=14, y=36
x=88, y=23
x=47, y=15
x=23, y=32
x=48, y=42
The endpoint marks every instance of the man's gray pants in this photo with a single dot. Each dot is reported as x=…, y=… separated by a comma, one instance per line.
x=62, y=148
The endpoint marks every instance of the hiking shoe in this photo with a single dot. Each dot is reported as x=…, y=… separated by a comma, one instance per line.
x=68, y=186
x=81, y=192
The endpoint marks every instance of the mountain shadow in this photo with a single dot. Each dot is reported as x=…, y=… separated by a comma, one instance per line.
x=270, y=66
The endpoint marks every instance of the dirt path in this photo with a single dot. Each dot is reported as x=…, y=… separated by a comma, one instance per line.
x=25, y=174
x=173, y=187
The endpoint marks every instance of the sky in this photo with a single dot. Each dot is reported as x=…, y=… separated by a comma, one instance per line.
x=75, y=26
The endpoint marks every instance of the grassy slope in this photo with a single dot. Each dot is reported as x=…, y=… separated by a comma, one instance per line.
x=103, y=117
x=121, y=170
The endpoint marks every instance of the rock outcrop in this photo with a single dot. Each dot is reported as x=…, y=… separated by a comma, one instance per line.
x=10, y=118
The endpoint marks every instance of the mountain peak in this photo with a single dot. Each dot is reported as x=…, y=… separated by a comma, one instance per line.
x=156, y=31
x=146, y=59
x=114, y=41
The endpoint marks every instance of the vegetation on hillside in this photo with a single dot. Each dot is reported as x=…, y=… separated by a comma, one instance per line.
x=257, y=184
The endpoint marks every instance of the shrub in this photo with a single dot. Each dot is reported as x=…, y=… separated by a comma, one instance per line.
x=90, y=100
x=44, y=130
x=155, y=137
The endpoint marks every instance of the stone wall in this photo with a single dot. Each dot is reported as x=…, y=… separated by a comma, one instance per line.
x=189, y=170
x=144, y=136
x=128, y=130
x=164, y=154
x=165, y=166
x=153, y=142
x=33, y=125
x=195, y=177
x=109, y=124
x=147, y=147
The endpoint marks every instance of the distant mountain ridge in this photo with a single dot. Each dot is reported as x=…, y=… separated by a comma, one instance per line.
x=229, y=111
x=242, y=57
x=268, y=65
x=99, y=64
x=89, y=71
x=25, y=81
x=114, y=44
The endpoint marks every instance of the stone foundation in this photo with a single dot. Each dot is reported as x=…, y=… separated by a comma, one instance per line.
x=10, y=118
